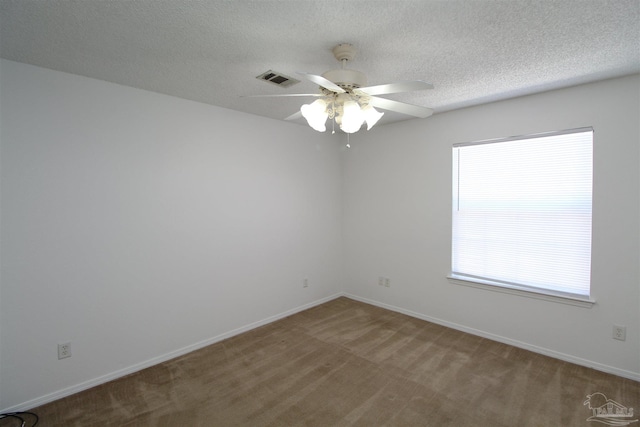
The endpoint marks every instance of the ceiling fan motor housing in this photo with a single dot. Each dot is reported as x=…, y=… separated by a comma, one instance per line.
x=345, y=78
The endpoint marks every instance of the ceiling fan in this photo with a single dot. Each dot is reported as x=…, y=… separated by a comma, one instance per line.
x=346, y=99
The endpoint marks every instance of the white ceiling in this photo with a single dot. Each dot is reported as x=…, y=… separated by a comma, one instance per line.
x=473, y=51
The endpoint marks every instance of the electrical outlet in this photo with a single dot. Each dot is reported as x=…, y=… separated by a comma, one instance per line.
x=387, y=282
x=64, y=350
x=619, y=332
x=380, y=281
x=305, y=283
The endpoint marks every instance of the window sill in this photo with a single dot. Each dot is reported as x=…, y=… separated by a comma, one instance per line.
x=586, y=302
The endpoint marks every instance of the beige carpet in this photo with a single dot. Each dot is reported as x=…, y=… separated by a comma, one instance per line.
x=345, y=363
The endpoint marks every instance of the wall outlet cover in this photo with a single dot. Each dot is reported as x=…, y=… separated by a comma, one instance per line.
x=619, y=332
x=64, y=350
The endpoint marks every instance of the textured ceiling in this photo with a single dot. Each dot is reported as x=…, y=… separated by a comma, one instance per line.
x=211, y=51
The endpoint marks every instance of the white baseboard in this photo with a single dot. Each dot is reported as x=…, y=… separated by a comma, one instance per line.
x=59, y=394
x=541, y=350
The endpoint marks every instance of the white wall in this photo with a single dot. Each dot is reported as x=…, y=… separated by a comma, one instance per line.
x=397, y=222
x=138, y=226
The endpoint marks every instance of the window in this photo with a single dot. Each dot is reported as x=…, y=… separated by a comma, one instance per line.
x=522, y=213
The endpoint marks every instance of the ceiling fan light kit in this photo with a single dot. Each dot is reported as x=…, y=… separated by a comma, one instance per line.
x=346, y=99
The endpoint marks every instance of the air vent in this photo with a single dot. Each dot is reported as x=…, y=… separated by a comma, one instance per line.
x=277, y=78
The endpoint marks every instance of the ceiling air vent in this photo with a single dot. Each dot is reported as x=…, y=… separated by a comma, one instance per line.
x=277, y=78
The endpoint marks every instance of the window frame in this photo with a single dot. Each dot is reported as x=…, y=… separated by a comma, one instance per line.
x=511, y=288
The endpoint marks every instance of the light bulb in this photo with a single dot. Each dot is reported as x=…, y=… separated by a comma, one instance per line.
x=316, y=114
x=352, y=117
x=371, y=116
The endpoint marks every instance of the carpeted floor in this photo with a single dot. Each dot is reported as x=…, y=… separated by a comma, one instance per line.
x=346, y=363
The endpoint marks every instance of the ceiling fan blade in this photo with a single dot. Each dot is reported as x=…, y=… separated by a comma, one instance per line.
x=401, y=107
x=407, y=86
x=319, y=80
x=281, y=95
x=294, y=116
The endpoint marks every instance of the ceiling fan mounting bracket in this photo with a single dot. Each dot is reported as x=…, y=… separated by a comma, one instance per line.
x=344, y=51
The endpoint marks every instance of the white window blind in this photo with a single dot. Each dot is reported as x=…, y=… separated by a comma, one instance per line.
x=522, y=212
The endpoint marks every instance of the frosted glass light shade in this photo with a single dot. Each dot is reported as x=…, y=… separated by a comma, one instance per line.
x=352, y=117
x=371, y=116
x=316, y=114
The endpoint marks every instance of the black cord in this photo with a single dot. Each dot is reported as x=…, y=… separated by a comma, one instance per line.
x=19, y=416
x=13, y=416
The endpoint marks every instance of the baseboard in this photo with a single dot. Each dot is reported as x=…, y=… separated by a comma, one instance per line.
x=59, y=394
x=541, y=350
